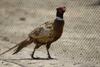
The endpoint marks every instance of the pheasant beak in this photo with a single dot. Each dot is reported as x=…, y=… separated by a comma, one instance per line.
x=64, y=9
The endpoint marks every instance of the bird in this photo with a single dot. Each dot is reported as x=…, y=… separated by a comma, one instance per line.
x=44, y=34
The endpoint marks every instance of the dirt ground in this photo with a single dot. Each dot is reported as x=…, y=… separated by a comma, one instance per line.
x=79, y=45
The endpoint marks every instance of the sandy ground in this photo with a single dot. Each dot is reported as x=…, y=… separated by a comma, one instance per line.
x=79, y=45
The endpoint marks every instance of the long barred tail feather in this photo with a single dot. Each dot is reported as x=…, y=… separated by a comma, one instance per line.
x=19, y=46
x=8, y=50
x=23, y=44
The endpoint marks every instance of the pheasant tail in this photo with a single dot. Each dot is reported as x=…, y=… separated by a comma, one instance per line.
x=22, y=44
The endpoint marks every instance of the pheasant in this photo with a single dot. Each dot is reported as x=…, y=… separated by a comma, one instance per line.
x=45, y=34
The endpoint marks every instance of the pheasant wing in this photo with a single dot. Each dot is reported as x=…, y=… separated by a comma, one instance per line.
x=43, y=33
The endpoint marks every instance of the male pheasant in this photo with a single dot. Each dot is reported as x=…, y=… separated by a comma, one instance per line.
x=45, y=34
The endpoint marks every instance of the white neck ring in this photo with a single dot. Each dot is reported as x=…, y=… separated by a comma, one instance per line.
x=59, y=18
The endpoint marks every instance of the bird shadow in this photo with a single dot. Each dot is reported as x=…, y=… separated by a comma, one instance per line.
x=39, y=58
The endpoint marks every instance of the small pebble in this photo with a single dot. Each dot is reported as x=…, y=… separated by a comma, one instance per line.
x=22, y=18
